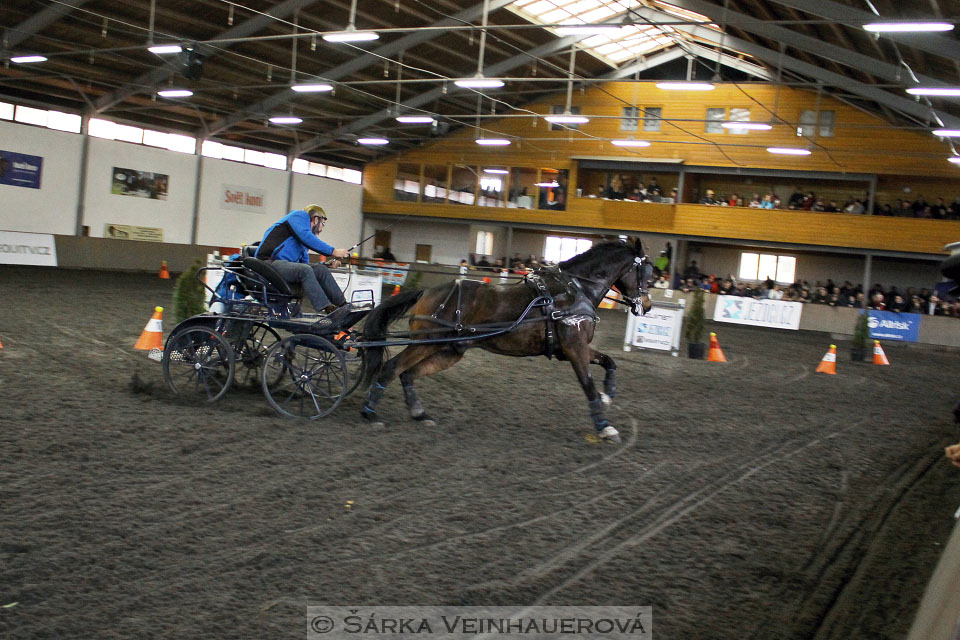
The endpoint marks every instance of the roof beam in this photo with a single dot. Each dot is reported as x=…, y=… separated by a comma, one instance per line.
x=730, y=61
x=149, y=80
x=360, y=62
x=492, y=71
x=37, y=22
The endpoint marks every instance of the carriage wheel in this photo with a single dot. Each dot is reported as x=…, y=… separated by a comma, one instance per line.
x=304, y=376
x=356, y=360
x=198, y=363
x=251, y=353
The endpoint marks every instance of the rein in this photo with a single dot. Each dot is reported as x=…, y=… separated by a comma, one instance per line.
x=633, y=302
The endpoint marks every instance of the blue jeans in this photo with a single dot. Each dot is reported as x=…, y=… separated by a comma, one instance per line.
x=318, y=283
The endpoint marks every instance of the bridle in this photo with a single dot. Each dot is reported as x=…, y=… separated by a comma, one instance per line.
x=635, y=303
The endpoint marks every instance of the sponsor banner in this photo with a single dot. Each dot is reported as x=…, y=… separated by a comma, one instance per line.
x=758, y=312
x=242, y=198
x=20, y=169
x=129, y=232
x=140, y=184
x=392, y=272
x=886, y=325
x=659, y=329
x=38, y=249
x=359, y=286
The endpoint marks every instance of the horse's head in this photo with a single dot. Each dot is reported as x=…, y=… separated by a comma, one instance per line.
x=632, y=282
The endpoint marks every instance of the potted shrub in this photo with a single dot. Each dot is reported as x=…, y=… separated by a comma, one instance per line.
x=693, y=329
x=189, y=294
x=861, y=337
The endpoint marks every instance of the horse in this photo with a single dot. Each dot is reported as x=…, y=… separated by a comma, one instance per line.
x=552, y=313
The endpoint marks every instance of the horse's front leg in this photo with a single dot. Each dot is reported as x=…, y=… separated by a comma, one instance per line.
x=579, y=354
x=443, y=359
x=610, y=377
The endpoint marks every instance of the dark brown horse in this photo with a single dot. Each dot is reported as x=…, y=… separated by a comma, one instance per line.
x=557, y=312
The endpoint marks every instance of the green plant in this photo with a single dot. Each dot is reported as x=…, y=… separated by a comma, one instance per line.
x=693, y=328
x=414, y=278
x=861, y=332
x=188, y=294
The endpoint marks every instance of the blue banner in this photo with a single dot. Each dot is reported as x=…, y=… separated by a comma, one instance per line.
x=20, y=170
x=886, y=325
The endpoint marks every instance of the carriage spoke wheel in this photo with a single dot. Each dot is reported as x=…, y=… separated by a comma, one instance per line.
x=251, y=353
x=356, y=359
x=198, y=364
x=304, y=376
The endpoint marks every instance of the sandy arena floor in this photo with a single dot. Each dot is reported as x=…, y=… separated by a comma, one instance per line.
x=752, y=499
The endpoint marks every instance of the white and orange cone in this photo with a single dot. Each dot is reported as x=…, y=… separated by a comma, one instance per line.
x=164, y=272
x=879, y=357
x=716, y=353
x=152, y=335
x=828, y=364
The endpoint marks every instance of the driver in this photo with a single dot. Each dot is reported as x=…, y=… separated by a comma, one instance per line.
x=287, y=244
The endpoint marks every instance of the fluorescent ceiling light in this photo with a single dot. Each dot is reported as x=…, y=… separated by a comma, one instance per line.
x=478, y=82
x=547, y=184
x=497, y=171
x=789, y=151
x=685, y=86
x=175, y=93
x=23, y=59
x=587, y=29
x=351, y=35
x=630, y=143
x=954, y=159
x=934, y=91
x=753, y=126
x=312, y=88
x=900, y=27
x=493, y=142
x=947, y=133
x=373, y=141
x=286, y=120
x=165, y=48
x=567, y=119
x=415, y=119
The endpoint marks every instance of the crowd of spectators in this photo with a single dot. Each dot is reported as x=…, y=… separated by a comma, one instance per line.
x=517, y=264
x=802, y=200
x=923, y=301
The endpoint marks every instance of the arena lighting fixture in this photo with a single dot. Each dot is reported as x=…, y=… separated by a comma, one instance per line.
x=685, y=86
x=548, y=185
x=901, y=27
x=789, y=151
x=372, y=141
x=415, y=119
x=493, y=142
x=752, y=126
x=946, y=133
x=630, y=143
x=496, y=171
x=160, y=49
x=567, y=118
x=286, y=120
x=175, y=93
x=312, y=88
x=934, y=91
x=954, y=159
x=26, y=59
x=350, y=34
x=478, y=82
x=587, y=29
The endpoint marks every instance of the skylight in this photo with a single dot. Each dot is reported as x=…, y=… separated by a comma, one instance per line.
x=613, y=48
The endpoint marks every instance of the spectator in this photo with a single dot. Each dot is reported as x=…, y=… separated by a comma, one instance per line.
x=483, y=263
x=755, y=201
x=767, y=202
x=796, y=199
x=654, y=189
x=709, y=199
x=775, y=293
x=692, y=270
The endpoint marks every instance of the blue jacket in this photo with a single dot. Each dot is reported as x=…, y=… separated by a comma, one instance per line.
x=290, y=239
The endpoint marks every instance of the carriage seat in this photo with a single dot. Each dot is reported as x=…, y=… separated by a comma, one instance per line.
x=275, y=282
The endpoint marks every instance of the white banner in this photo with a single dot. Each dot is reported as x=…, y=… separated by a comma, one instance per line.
x=242, y=198
x=659, y=329
x=758, y=312
x=37, y=249
x=359, y=286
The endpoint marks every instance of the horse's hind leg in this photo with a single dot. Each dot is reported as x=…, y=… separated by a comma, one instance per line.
x=395, y=366
x=428, y=366
x=610, y=377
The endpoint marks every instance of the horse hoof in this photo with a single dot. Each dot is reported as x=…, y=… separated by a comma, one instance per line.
x=372, y=419
x=605, y=398
x=611, y=435
x=426, y=420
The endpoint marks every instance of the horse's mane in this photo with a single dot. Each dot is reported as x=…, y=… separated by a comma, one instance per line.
x=597, y=251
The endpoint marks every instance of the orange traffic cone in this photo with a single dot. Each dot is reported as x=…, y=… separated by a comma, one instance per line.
x=152, y=336
x=828, y=364
x=486, y=280
x=879, y=357
x=396, y=290
x=164, y=272
x=716, y=353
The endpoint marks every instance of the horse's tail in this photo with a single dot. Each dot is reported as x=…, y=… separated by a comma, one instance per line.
x=375, y=328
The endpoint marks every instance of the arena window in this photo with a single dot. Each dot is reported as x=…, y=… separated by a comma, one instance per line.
x=558, y=249
x=760, y=266
x=484, y=243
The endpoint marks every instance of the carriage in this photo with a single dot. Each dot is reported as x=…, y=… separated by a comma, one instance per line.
x=322, y=360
